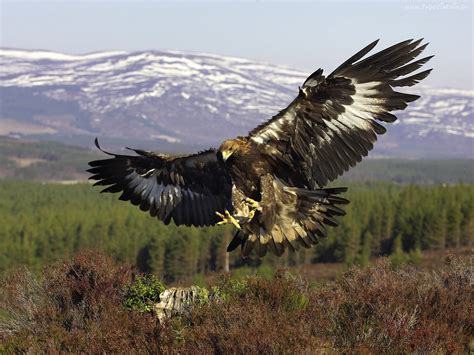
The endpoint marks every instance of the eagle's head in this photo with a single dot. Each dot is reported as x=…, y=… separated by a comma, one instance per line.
x=230, y=146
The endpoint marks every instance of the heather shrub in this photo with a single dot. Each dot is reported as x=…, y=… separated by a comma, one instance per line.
x=255, y=315
x=373, y=310
x=399, y=311
x=91, y=304
x=75, y=306
x=22, y=296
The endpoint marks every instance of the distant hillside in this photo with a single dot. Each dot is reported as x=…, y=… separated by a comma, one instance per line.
x=46, y=161
x=413, y=171
x=174, y=100
x=43, y=161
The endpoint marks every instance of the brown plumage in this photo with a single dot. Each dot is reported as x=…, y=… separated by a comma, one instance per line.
x=270, y=184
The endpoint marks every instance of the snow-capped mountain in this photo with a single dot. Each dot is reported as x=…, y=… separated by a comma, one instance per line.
x=186, y=99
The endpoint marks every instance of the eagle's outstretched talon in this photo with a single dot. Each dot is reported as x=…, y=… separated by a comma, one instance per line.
x=227, y=218
x=251, y=214
x=255, y=205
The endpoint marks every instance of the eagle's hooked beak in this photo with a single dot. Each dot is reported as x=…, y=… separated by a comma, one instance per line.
x=226, y=154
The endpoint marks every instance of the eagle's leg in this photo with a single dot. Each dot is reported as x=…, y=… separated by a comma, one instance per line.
x=227, y=218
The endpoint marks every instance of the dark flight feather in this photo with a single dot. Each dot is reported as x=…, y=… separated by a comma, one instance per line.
x=179, y=188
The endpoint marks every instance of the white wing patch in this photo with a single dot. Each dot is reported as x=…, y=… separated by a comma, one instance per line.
x=274, y=130
x=357, y=115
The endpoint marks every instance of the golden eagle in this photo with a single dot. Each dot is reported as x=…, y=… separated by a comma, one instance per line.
x=270, y=184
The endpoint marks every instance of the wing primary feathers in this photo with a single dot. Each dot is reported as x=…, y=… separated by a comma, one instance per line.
x=385, y=54
x=410, y=67
x=181, y=188
x=356, y=56
x=96, y=142
x=332, y=123
x=411, y=80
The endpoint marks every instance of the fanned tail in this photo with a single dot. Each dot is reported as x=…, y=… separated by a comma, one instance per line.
x=300, y=225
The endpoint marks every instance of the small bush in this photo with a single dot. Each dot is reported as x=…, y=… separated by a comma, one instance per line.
x=414, y=256
x=143, y=293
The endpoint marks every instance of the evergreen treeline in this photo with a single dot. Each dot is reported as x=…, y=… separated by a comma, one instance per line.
x=40, y=223
x=405, y=171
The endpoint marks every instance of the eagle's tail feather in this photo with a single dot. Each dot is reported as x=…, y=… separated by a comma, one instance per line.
x=315, y=210
x=235, y=242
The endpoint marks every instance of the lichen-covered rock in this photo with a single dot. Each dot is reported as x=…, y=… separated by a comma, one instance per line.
x=179, y=300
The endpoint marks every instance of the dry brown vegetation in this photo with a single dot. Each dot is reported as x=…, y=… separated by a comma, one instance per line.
x=77, y=306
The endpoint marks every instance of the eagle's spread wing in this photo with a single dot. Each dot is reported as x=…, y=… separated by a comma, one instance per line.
x=188, y=189
x=333, y=122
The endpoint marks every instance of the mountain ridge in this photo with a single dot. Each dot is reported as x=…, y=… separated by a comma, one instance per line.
x=174, y=98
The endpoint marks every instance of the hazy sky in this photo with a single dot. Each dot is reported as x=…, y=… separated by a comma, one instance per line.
x=304, y=35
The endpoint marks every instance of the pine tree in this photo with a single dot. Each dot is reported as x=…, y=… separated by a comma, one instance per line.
x=363, y=257
x=454, y=218
x=398, y=256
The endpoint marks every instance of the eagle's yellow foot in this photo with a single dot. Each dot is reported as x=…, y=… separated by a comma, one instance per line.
x=227, y=218
x=252, y=203
x=251, y=214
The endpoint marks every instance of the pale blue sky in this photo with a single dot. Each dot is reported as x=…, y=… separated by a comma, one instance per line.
x=304, y=35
